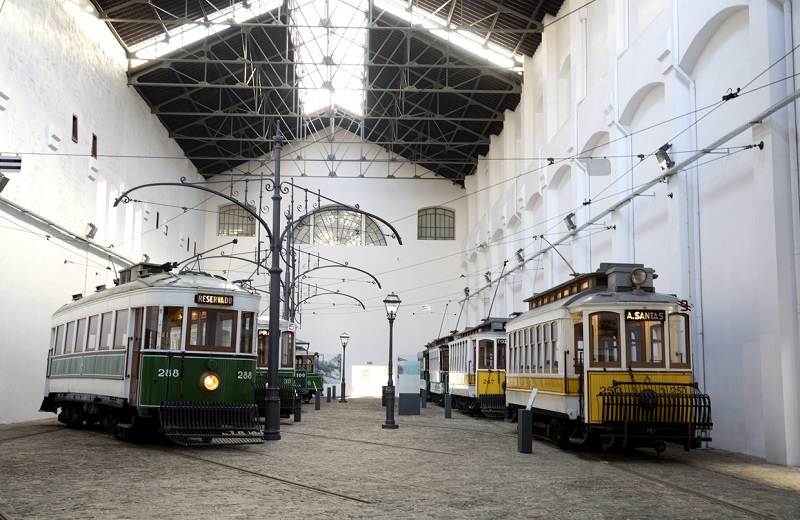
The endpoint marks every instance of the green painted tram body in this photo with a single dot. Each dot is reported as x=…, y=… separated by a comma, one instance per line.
x=287, y=390
x=313, y=383
x=176, y=377
x=108, y=364
x=286, y=377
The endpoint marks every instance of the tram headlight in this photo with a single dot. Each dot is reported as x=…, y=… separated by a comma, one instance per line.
x=638, y=276
x=209, y=381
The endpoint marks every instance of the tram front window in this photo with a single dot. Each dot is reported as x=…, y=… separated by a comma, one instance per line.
x=212, y=329
x=645, y=343
x=287, y=349
x=246, y=339
x=263, y=348
x=679, y=350
x=485, y=354
x=172, y=328
x=604, y=339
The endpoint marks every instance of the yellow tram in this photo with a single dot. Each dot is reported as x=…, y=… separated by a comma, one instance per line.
x=477, y=362
x=604, y=357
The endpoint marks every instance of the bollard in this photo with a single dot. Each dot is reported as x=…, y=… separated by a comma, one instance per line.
x=525, y=431
x=316, y=400
x=329, y=394
x=298, y=408
x=424, y=396
x=448, y=409
x=334, y=393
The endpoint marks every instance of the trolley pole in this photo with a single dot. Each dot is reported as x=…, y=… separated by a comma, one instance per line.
x=272, y=419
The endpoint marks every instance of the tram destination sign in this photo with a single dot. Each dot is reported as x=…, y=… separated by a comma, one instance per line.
x=213, y=299
x=645, y=315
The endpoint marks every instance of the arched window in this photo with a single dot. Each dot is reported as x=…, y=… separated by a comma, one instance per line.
x=338, y=226
x=235, y=221
x=436, y=224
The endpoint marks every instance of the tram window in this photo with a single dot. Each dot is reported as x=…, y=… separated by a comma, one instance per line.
x=578, y=359
x=151, y=328
x=657, y=343
x=246, y=334
x=105, y=331
x=636, y=355
x=69, y=338
x=444, y=360
x=263, y=348
x=287, y=349
x=538, y=362
x=679, y=350
x=604, y=339
x=525, y=366
x=211, y=329
x=91, y=335
x=486, y=354
x=80, y=335
x=545, y=362
x=547, y=341
x=121, y=329
x=501, y=354
x=645, y=343
x=60, y=347
x=525, y=362
x=554, y=345
x=172, y=328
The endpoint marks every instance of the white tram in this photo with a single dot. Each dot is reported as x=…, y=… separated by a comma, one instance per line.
x=173, y=353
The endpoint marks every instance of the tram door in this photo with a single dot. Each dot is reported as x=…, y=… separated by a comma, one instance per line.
x=135, y=351
x=578, y=361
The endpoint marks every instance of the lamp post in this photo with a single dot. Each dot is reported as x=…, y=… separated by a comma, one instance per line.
x=392, y=303
x=272, y=417
x=344, y=338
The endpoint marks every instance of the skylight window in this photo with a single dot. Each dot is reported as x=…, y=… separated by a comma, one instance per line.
x=438, y=27
x=190, y=33
x=330, y=38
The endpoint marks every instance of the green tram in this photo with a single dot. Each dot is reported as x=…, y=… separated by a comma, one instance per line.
x=290, y=380
x=308, y=364
x=159, y=352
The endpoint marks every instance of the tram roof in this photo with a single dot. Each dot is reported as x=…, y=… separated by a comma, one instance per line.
x=602, y=297
x=188, y=280
x=487, y=325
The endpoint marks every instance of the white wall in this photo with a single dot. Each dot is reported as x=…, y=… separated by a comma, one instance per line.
x=58, y=60
x=721, y=233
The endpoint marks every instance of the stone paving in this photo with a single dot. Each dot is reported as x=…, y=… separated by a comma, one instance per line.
x=339, y=463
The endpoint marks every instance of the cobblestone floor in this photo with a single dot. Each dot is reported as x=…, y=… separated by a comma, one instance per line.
x=339, y=463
